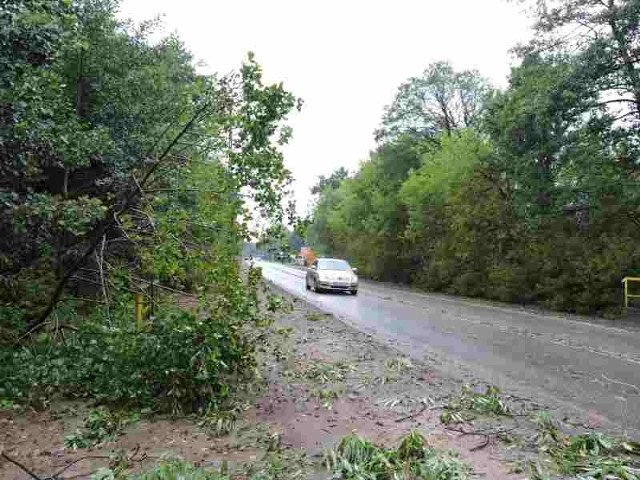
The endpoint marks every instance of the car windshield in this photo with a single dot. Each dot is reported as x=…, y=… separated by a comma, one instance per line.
x=333, y=265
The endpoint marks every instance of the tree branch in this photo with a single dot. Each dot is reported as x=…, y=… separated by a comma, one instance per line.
x=20, y=466
x=617, y=100
x=129, y=195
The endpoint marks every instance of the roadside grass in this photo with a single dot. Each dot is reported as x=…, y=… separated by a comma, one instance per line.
x=320, y=372
x=356, y=458
x=100, y=426
x=326, y=396
x=175, y=469
x=588, y=456
x=398, y=365
x=317, y=316
x=279, y=303
x=469, y=404
x=275, y=465
x=219, y=423
x=394, y=369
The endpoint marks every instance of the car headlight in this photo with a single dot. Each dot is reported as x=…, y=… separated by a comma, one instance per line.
x=323, y=277
x=354, y=279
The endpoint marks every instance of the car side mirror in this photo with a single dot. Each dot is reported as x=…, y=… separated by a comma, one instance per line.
x=355, y=270
x=313, y=267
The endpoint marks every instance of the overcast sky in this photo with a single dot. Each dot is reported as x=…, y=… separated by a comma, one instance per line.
x=344, y=58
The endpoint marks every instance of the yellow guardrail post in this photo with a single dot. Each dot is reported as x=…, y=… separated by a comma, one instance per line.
x=139, y=309
x=145, y=302
x=627, y=295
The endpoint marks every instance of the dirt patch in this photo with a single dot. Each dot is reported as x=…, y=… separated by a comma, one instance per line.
x=306, y=423
x=37, y=440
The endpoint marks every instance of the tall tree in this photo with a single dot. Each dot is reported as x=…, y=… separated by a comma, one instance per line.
x=332, y=181
x=362, y=218
x=441, y=100
x=566, y=128
x=605, y=35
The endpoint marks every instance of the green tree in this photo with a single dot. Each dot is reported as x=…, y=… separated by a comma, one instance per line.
x=361, y=218
x=441, y=100
x=530, y=194
x=332, y=181
x=599, y=40
x=604, y=35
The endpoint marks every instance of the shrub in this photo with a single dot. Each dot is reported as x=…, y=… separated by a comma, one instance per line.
x=179, y=364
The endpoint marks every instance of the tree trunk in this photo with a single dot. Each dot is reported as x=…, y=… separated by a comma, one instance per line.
x=628, y=63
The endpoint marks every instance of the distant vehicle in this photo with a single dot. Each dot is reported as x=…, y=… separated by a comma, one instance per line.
x=284, y=257
x=331, y=274
x=308, y=256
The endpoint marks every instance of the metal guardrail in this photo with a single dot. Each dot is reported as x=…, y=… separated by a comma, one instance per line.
x=626, y=281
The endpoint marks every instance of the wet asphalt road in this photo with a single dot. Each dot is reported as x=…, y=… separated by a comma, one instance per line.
x=586, y=369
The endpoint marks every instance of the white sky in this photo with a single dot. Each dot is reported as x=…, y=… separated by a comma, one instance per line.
x=344, y=58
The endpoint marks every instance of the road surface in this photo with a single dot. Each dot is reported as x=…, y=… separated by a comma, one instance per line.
x=587, y=368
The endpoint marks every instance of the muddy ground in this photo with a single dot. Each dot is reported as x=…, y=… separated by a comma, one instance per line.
x=321, y=380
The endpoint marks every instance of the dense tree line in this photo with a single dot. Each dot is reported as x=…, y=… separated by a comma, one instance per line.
x=528, y=194
x=121, y=166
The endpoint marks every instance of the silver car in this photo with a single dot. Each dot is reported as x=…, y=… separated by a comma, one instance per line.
x=331, y=274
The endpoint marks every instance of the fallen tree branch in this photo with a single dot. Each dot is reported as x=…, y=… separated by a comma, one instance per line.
x=481, y=445
x=78, y=460
x=130, y=458
x=20, y=466
x=419, y=412
x=413, y=415
x=482, y=432
x=488, y=434
x=127, y=197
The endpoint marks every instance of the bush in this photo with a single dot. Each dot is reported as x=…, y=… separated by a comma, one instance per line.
x=471, y=284
x=179, y=364
x=508, y=283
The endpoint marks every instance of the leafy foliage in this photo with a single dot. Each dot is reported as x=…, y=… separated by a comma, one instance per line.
x=589, y=456
x=356, y=458
x=173, y=469
x=440, y=101
x=101, y=425
x=180, y=363
x=106, y=136
x=326, y=372
x=363, y=218
x=463, y=408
